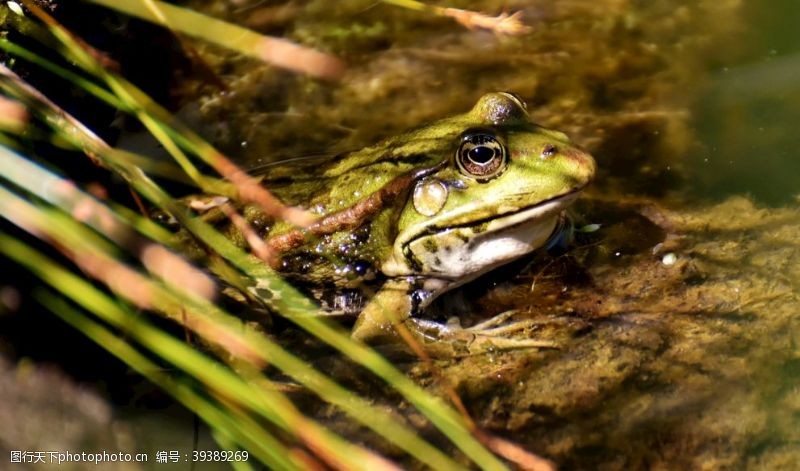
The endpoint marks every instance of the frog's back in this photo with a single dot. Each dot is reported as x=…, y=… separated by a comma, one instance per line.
x=325, y=183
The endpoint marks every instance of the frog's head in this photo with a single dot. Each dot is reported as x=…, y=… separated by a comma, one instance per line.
x=497, y=194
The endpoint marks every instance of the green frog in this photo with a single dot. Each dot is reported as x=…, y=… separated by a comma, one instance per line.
x=405, y=220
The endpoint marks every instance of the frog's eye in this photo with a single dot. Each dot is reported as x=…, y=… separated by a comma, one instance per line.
x=481, y=155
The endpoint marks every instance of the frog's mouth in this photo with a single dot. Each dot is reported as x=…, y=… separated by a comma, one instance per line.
x=491, y=224
x=466, y=250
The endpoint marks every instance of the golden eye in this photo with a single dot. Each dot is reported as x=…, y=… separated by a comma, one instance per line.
x=481, y=155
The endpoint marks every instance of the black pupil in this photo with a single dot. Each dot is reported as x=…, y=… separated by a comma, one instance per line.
x=481, y=154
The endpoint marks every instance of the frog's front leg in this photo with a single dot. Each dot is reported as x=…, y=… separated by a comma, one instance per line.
x=393, y=305
x=390, y=306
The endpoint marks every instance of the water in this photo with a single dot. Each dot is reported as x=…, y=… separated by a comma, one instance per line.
x=744, y=120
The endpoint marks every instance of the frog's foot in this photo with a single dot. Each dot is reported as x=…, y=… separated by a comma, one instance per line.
x=492, y=335
x=500, y=325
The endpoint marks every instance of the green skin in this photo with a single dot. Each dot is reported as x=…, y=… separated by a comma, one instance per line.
x=402, y=222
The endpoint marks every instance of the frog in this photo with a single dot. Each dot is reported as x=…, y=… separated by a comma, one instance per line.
x=403, y=221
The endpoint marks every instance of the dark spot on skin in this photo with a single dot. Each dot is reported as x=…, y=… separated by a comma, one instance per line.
x=360, y=235
x=437, y=261
x=414, y=159
x=279, y=181
x=361, y=267
x=264, y=293
x=391, y=158
x=344, y=250
x=413, y=262
x=299, y=264
x=481, y=228
x=430, y=245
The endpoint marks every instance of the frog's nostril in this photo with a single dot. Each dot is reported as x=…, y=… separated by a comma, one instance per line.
x=549, y=151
